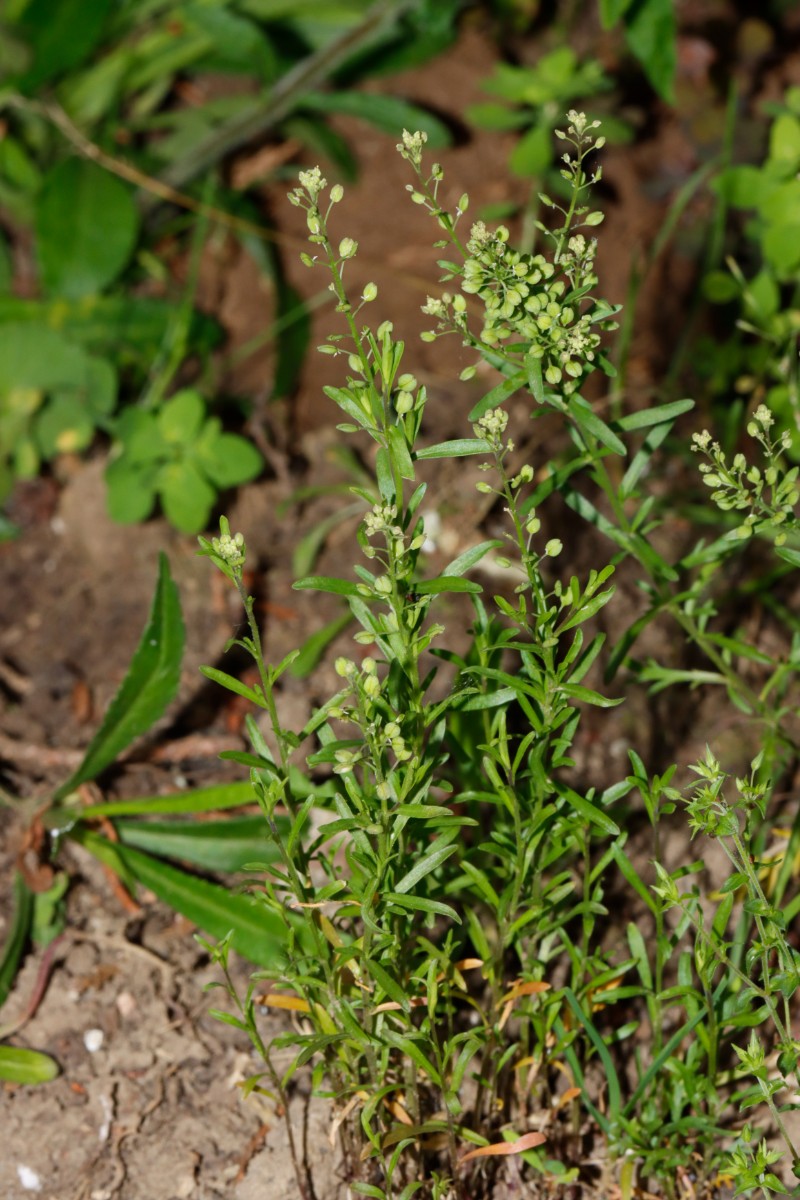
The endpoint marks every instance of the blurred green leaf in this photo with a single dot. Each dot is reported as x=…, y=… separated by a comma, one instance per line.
x=26, y=1066
x=17, y=937
x=86, y=228
x=389, y=113
x=61, y=35
x=651, y=31
x=186, y=496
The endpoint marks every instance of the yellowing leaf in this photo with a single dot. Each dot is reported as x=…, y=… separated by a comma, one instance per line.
x=279, y=1000
x=500, y=1149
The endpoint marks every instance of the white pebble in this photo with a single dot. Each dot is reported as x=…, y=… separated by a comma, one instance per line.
x=93, y=1040
x=28, y=1178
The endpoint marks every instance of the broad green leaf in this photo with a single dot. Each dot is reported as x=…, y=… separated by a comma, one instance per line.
x=651, y=31
x=226, y=845
x=131, y=491
x=132, y=327
x=186, y=496
x=86, y=225
x=257, y=933
x=148, y=687
x=181, y=417
x=32, y=356
x=26, y=1066
x=533, y=153
x=784, y=141
x=231, y=460
x=612, y=10
x=62, y=36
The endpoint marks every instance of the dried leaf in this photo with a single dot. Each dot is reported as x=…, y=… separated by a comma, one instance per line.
x=500, y=1149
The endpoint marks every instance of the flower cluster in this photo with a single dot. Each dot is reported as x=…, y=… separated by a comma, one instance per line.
x=411, y=147
x=525, y=299
x=769, y=495
x=230, y=548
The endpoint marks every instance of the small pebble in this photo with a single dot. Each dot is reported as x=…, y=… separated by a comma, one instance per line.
x=28, y=1178
x=93, y=1040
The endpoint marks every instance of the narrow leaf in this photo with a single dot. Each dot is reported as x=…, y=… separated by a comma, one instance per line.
x=257, y=933
x=326, y=583
x=457, y=448
x=234, y=685
x=501, y=1149
x=149, y=686
x=429, y=862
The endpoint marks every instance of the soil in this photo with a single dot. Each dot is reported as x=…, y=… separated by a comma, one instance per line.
x=147, y=1105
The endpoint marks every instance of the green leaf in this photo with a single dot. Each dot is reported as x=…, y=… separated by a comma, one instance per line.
x=587, y=419
x=471, y=557
x=503, y=391
x=315, y=646
x=610, y=1074
x=224, y=795
x=429, y=861
x=457, y=448
x=186, y=496
x=388, y=113
x=256, y=933
x=651, y=31
x=148, y=687
x=232, y=460
x=533, y=153
x=62, y=36
x=326, y=583
x=446, y=583
x=655, y=416
x=26, y=1066
x=226, y=845
x=86, y=227
x=590, y=812
x=419, y=904
x=181, y=417
x=131, y=491
x=225, y=680
x=389, y=986
x=17, y=936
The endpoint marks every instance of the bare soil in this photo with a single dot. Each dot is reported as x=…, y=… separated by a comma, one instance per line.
x=147, y=1106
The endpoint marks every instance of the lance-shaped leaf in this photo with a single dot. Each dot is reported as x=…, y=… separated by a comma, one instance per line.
x=149, y=686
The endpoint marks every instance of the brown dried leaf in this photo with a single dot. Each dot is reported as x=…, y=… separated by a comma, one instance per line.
x=501, y=1149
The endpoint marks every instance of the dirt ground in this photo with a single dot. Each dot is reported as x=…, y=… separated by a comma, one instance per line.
x=146, y=1106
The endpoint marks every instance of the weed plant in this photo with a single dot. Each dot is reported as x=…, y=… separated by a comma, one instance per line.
x=460, y=986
